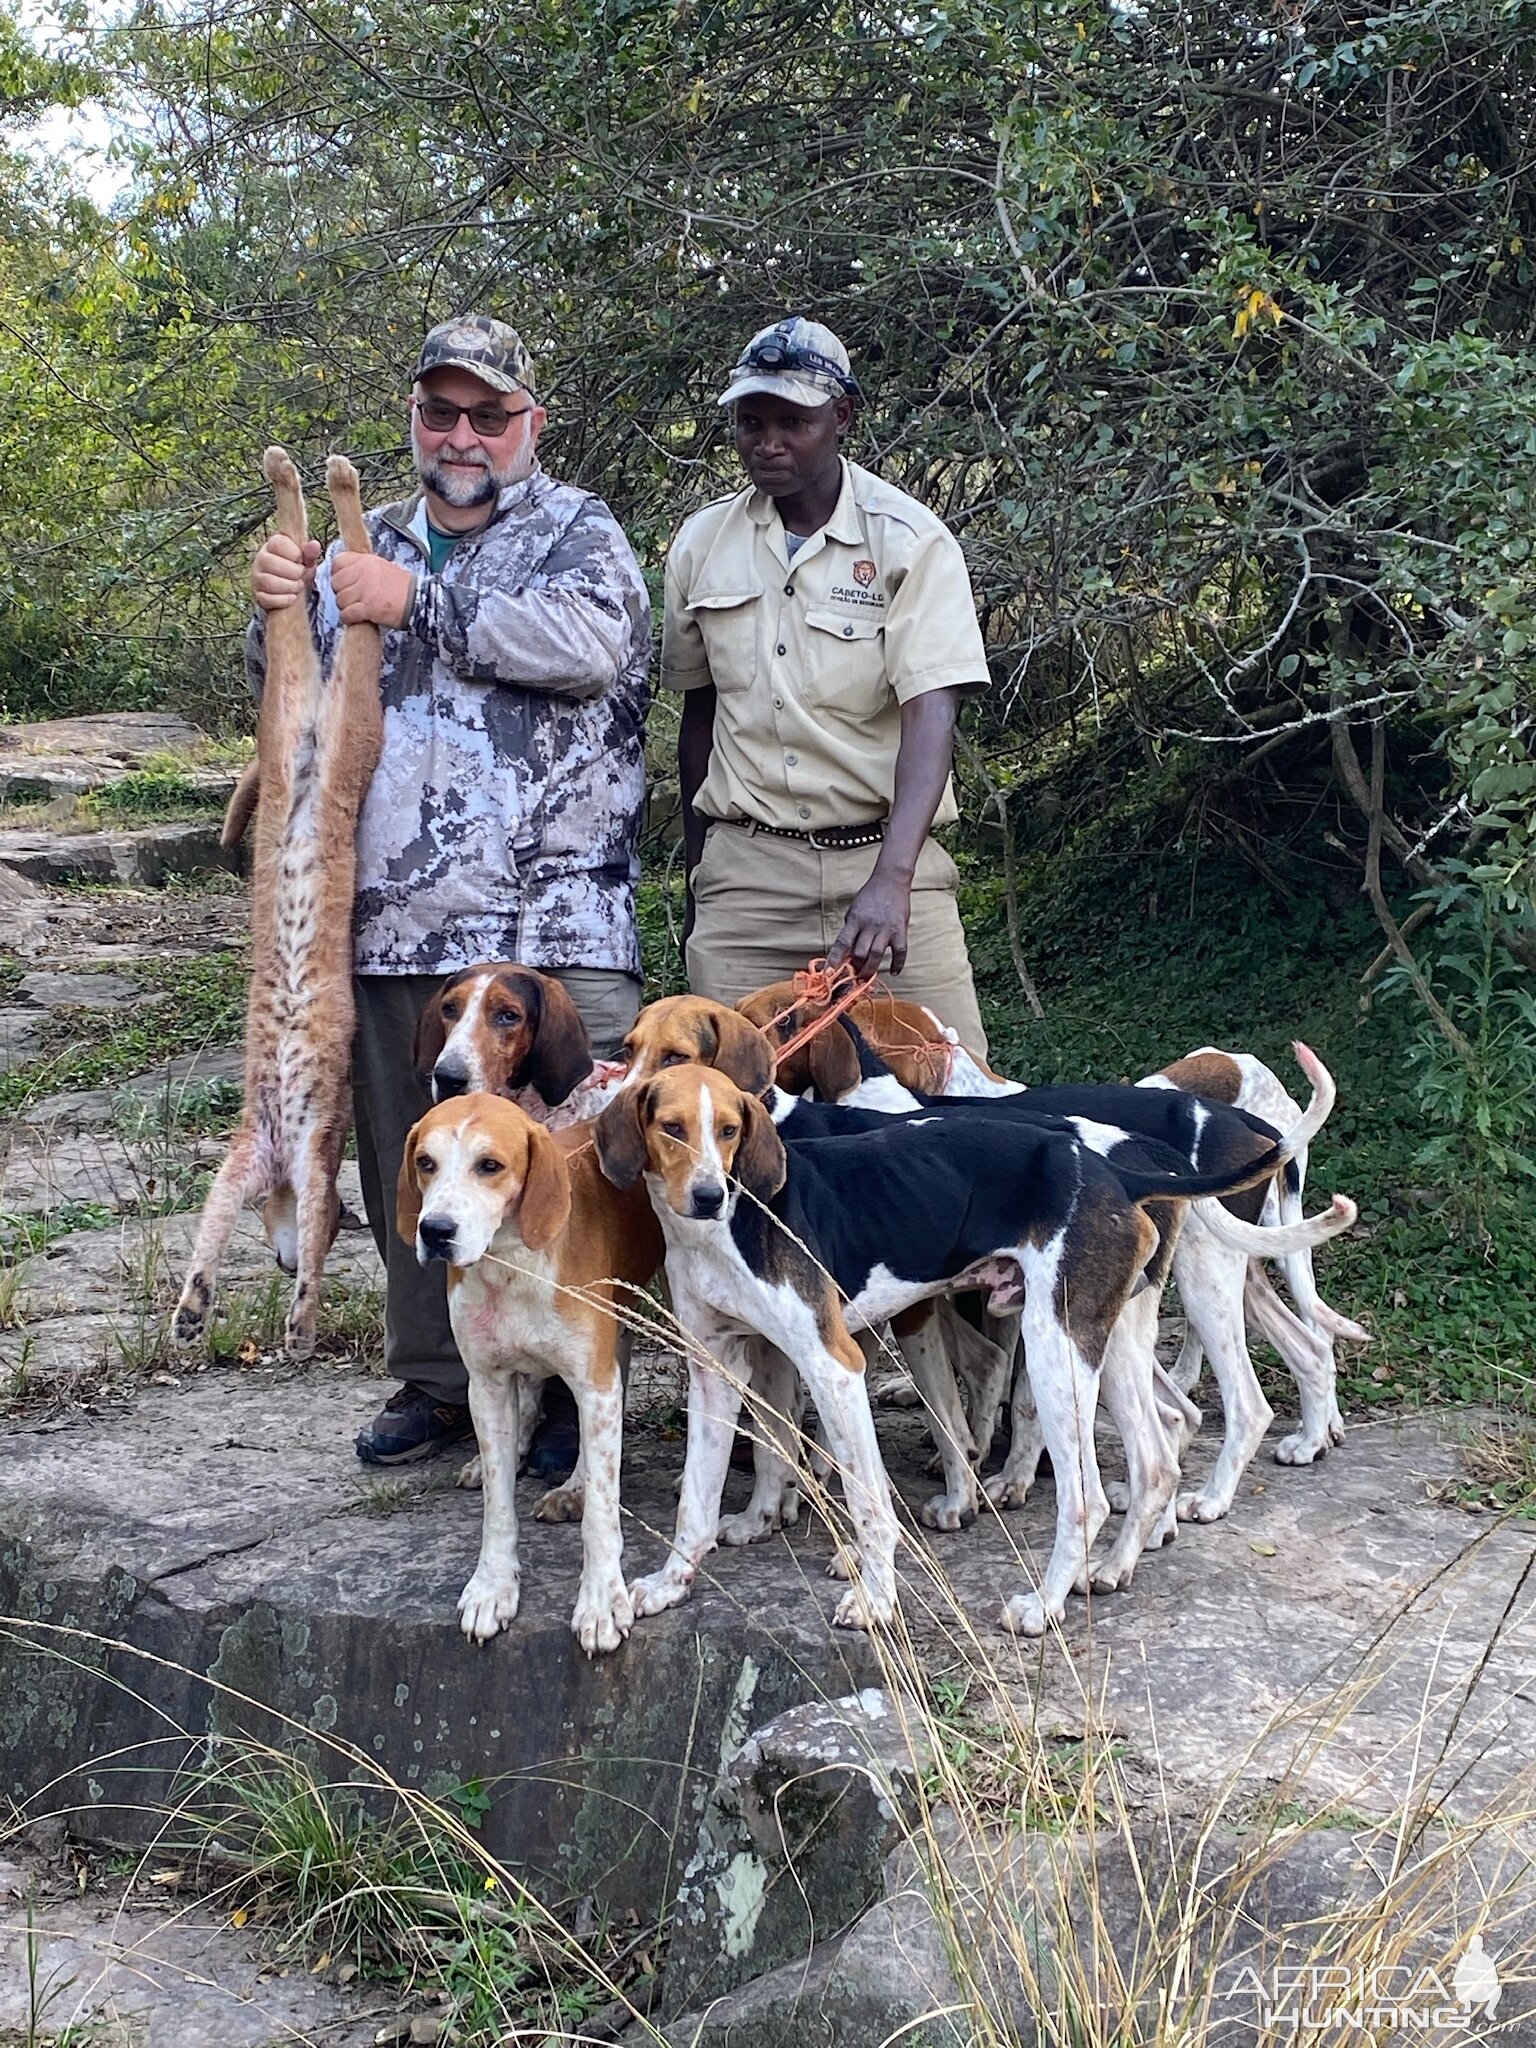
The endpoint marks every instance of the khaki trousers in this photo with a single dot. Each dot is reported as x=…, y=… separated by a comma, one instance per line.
x=764, y=906
x=386, y=1100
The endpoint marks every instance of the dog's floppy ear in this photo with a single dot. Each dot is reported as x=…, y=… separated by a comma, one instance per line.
x=834, y=1063
x=759, y=1164
x=619, y=1134
x=407, y=1193
x=742, y=1052
x=431, y=1037
x=545, y=1206
x=561, y=1054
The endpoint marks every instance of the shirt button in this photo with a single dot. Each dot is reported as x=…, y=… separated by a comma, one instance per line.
x=793, y=760
x=847, y=635
x=778, y=703
x=805, y=810
x=780, y=649
x=789, y=590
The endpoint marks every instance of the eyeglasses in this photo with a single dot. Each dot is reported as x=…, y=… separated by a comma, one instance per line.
x=490, y=422
x=776, y=353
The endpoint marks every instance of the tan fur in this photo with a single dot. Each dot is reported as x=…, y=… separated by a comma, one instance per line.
x=317, y=747
x=681, y=1028
x=1211, y=1074
x=242, y=806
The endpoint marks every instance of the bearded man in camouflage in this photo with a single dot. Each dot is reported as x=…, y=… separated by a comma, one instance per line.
x=503, y=820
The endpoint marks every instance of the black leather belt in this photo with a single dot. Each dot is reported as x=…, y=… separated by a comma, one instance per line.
x=829, y=836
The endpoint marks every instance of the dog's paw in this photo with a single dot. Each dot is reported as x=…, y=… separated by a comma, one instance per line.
x=1006, y=1490
x=471, y=1476
x=1201, y=1507
x=896, y=1391
x=844, y=1565
x=752, y=1525
x=1026, y=1615
x=1114, y=1574
x=1300, y=1449
x=561, y=1503
x=657, y=1592
x=487, y=1605
x=604, y=1615
x=1118, y=1494
x=946, y=1514
x=859, y=1608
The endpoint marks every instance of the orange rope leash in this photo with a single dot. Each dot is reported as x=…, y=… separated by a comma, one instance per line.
x=838, y=987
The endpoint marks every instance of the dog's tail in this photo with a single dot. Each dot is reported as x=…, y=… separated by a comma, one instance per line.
x=1151, y=1187
x=1272, y=1241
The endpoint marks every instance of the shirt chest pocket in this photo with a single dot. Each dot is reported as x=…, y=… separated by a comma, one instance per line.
x=727, y=623
x=845, y=660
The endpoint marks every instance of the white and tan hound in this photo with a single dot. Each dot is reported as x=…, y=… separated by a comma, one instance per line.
x=544, y=1254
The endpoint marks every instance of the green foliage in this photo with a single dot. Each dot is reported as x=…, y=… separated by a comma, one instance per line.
x=1209, y=337
x=1482, y=1099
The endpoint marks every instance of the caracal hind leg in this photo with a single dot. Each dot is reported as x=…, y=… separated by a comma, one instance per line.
x=316, y=1203
x=347, y=503
x=234, y=1183
x=489, y=1601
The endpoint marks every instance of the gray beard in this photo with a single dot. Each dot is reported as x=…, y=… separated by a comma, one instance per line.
x=463, y=488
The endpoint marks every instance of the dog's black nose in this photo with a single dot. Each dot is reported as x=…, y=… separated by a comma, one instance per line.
x=448, y=1081
x=706, y=1201
x=437, y=1234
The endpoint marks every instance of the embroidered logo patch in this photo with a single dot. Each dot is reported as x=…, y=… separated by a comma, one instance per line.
x=864, y=574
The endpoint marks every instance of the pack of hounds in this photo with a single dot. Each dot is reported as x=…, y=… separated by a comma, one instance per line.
x=812, y=1196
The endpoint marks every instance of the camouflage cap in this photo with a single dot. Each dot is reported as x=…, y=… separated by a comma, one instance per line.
x=489, y=349
x=800, y=360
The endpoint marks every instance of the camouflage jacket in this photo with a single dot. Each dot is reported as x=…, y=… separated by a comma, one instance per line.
x=503, y=818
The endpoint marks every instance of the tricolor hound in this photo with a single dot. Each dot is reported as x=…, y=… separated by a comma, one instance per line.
x=503, y=1029
x=317, y=746
x=543, y=1252
x=796, y=1243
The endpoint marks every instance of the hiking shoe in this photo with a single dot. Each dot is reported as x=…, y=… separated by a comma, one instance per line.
x=556, y=1443
x=410, y=1425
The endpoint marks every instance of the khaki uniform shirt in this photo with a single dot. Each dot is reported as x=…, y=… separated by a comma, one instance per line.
x=813, y=658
